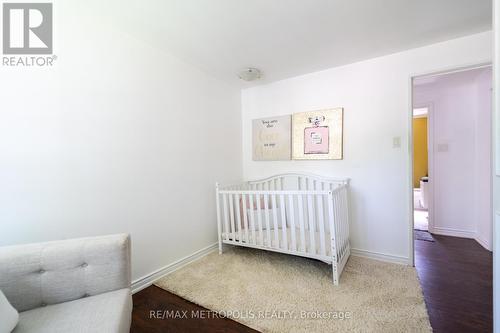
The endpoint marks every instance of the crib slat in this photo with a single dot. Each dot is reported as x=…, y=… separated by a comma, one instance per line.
x=259, y=220
x=238, y=216
x=283, y=223
x=345, y=219
x=275, y=220
x=321, y=223
x=252, y=218
x=348, y=231
x=341, y=223
x=231, y=217
x=226, y=221
x=305, y=208
x=316, y=187
x=245, y=217
x=335, y=218
x=338, y=224
x=342, y=210
x=292, y=223
x=332, y=221
x=300, y=204
x=268, y=227
x=311, y=225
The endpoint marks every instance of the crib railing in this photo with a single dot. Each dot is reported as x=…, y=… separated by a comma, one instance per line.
x=311, y=223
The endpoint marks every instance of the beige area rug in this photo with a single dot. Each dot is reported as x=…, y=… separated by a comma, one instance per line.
x=272, y=292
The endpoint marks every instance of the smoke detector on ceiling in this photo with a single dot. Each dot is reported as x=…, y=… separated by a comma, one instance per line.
x=250, y=74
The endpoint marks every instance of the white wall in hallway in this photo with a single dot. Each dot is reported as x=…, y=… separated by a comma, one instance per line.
x=375, y=96
x=460, y=167
x=484, y=160
x=496, y=176
x=116, y=137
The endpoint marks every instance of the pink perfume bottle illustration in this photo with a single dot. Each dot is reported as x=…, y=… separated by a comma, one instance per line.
x=316, y=137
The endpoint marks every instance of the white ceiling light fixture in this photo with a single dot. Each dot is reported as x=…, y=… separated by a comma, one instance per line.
x=250, y=74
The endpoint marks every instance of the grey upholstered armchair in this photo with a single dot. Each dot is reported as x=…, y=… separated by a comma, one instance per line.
x=79, y=285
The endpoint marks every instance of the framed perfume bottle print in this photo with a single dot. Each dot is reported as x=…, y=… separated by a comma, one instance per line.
x=317, y=135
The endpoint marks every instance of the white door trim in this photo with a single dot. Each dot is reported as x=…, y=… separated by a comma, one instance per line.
x=496, y=154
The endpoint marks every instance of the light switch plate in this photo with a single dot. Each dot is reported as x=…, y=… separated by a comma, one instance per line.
x=442, y=147
x=396, y=142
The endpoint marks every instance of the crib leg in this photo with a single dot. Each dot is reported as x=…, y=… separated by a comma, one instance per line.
x=335, y=274
x=220, y=247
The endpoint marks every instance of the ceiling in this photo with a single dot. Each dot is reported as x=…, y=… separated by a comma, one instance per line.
x=286, y=38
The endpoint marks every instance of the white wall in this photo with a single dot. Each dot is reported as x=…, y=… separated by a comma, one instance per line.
x=375, y=95
x=116, y=137
x=460, y=176
x=484, y=161
x=496, y=178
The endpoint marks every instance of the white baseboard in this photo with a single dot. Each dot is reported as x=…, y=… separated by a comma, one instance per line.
x=483, y=243
x=463, y=234
x=453, y=232
x=147, y=280
x=381, y=256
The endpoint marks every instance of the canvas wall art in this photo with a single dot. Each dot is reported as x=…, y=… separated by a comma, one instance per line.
x=317, y=135
x=271, y=138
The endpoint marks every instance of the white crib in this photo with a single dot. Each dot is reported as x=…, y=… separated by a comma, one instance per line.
x=299, y=214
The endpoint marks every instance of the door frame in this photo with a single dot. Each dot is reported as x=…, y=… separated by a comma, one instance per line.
x=412, y=77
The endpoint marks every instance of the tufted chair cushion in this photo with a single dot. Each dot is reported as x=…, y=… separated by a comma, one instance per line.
x=36, y=275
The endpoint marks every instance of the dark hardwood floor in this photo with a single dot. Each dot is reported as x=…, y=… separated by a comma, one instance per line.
x=456, y=275
x=188, y=315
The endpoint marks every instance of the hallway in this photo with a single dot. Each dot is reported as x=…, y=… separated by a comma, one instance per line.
x=456, y=278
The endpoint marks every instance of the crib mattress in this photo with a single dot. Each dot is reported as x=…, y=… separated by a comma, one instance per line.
x=279, y=245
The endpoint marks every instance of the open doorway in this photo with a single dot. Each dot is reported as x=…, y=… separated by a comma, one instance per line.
x=452, y=155
x=452, y=236
x=421, y=168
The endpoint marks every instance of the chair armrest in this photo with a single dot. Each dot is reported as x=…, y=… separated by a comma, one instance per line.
x=39, y=274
